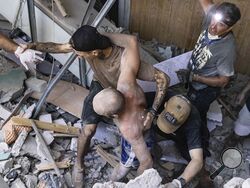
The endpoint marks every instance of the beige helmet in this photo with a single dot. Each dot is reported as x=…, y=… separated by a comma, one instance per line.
x=176, y=112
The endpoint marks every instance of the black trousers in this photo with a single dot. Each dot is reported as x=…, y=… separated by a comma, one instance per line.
x=202, y=99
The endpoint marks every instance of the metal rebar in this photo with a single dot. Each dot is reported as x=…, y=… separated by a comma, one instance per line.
x=32, y=19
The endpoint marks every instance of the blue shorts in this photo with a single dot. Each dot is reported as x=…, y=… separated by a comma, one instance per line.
x=128, y=158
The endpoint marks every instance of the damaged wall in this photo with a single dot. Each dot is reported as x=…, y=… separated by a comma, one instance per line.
x=178, y=22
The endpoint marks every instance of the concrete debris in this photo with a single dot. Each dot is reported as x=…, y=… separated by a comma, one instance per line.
x=19, y=143
x=150, y=178
x=30, y=181
x=11, y=84
x=25, y=164
x=246, y=183
x=36, y=84
x=6, y=165
x=45, y=118
x=18, y=184
x=235, y=182
x=48, y=137
x=3, y=183
x=4, y=147
x=4, y=112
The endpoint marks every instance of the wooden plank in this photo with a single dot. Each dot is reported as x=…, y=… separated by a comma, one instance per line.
x=67, y=96
x=112, y=160
x=45, y=125
x=49, y=166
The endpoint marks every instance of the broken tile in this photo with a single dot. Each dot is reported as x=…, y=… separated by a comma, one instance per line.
x=18, y=184
x=48, y=137
x=11, y=84
x=45, y=118
x=4, y=112
x=5, y=165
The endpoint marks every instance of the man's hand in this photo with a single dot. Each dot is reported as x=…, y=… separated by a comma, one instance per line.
x=174, y=184
x=240, y=99
x=27, y=56
x=148, y=121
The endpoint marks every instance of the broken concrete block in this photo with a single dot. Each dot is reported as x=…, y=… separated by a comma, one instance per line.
x=25, y=164
x=48, y=137
x=5, y=156
x=2, y=183
x=19, y=143
x=246, y=183
x=7, y=164
x=109, y=185
x=36, y=84
x=4, y=112
x=28, y=112
x=11, y=84
x=73, y=144
x=3, y=147
x=18, y=184
x=45, y=118
x=150, y=178
x=30, y=181
x=234, y=182
x=60, y=121
x=30, y=147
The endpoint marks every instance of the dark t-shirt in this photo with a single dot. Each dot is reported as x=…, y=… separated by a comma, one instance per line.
x=189, y=135
x=248, y=103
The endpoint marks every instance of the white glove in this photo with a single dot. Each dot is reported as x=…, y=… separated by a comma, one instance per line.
x=27, y=56
x=174, y=184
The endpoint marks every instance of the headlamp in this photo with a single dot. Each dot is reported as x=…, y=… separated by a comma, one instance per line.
x=218, y=17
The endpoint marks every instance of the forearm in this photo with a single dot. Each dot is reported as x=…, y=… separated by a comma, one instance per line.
x=192, y=169
x=162, y=83
x=7, y=44
x=214, y=81
x=51, y=47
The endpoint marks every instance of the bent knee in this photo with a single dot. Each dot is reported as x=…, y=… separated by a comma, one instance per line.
x=89, y=130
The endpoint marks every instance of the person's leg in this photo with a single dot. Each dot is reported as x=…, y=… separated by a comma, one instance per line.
x=90, y=118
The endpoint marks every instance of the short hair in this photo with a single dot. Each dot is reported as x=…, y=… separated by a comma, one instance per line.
x=230, y=12
x=108, y=102
x=87, y=38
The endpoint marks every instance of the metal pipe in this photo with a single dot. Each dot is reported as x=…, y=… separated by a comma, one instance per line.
x=87, y=14
x=32, y=19
x=106, y=7
x=53, y=82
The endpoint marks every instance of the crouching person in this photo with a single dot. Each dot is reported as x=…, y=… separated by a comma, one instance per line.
x=180, y=121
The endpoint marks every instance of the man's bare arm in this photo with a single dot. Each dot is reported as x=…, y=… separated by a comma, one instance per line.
x=206, y=4
x=214, y=81
x=7, y=44
x=194, y=166
x=51, y=47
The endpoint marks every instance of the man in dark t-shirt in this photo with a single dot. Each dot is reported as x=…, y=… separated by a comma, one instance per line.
x=185, y=131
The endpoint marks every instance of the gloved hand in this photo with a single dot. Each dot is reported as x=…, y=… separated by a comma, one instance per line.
x=27, y=56
x=174, y=184
x=183, y=75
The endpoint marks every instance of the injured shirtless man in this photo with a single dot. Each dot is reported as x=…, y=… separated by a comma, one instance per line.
x=126, y=105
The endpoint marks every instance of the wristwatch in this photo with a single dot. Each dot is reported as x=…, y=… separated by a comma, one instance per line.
x=182, y=180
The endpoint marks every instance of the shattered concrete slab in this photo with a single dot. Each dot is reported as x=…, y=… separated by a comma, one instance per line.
x=4, y=112
x=36, y=84
x=11, y=84
x=149, y=179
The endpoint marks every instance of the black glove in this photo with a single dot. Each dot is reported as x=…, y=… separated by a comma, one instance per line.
x=183, y=75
